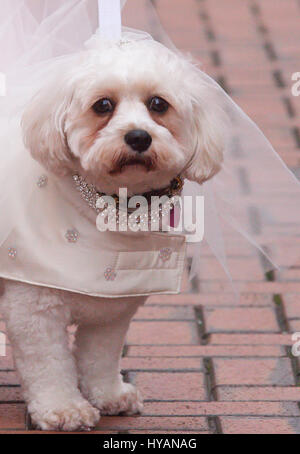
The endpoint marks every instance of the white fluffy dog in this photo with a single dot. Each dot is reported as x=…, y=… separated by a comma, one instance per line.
x=132, y=116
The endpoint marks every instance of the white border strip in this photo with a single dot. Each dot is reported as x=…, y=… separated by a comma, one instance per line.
x=2, y=84
x=110, y=19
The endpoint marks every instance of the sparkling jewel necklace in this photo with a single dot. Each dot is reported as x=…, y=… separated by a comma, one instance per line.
x=91, y=196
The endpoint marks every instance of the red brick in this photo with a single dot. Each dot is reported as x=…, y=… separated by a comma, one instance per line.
x=240, y=319
x=251, y=339
x=2, y=326
x=153, y=422
x=291, y=274
x=280, y=135
x=162, y=333
x=6, y=362
x=250, y=79
x=231, y=57
x=260, y=108
x=177, y=27
x=171, y=386
x=253, y=371
x=222, y=408
x=12, y=416
x=255, y=393
x=287, y=11
x=231, y=425
x=10, y=394
x=205, y=350
x=290, y=157
x=161, y=363
x=214, y=299
x=294, y=326
x=273, y=287
x=8, y=378
x=149, y=312
x=244, y=269
x=292, y=305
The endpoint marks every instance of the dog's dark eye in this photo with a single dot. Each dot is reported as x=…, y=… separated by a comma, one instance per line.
x=157, y=104
x=103, y=106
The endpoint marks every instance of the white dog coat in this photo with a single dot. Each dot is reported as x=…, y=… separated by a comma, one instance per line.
x=57, y=245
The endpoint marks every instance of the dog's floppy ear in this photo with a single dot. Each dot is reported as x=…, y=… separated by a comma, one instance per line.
x=43, y=125
x=208, y=132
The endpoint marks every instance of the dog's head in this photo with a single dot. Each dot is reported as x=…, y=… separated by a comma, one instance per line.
x=130, y=116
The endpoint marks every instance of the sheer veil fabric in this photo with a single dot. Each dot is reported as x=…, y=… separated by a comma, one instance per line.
x=251, y=207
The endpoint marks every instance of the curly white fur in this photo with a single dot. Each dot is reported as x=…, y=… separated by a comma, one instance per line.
x=65, y=390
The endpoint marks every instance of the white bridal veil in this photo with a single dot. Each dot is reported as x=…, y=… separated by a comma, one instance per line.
x=252, y=215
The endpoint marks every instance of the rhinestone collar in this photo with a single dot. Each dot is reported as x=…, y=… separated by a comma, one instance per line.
x=90, y=194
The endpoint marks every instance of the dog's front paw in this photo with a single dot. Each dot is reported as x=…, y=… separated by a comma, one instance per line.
x=71, y=416
x=126, y=400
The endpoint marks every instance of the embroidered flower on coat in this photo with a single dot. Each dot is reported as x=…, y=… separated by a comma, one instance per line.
x=42, y=181
x=110, y=274
x=72, y=236
x=165, y=254
x=12, y=253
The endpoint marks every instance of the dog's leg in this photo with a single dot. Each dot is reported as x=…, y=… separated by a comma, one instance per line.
x=36, y=323
x=98, y=353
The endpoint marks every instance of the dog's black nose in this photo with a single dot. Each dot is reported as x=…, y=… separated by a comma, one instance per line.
x=138, y=139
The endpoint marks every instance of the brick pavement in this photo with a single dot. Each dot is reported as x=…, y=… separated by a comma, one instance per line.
x=204, y=363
